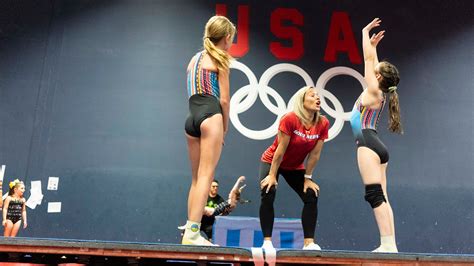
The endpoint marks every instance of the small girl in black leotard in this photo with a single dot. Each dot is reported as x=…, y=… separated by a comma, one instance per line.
x=14, y=209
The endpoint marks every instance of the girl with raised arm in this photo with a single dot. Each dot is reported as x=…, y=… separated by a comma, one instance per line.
x=372, y=156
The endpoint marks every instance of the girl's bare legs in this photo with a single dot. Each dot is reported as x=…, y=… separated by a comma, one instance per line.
x=15, y=229
x=8, y=228
x=193, y=152
x=371, y=173
x=384, y=187
x=204, y=153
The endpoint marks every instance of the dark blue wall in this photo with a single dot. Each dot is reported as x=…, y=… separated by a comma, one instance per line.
x=94, y=92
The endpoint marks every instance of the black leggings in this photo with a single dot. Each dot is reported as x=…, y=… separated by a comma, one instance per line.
x=294, y=178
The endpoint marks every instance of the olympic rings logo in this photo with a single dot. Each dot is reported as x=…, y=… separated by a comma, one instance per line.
x=246, y=96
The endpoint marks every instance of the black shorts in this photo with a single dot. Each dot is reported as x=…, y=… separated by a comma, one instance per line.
x=201, y=106
x=370, y=140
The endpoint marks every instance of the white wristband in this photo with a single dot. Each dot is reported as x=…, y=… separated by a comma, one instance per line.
x=308, y=176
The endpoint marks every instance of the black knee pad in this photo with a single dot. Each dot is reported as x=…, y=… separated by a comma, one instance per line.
x=374, y=195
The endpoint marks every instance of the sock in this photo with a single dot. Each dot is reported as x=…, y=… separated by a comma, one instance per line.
x=387, y=245
x=267, y=244
x=192, y=230
x=388, y=241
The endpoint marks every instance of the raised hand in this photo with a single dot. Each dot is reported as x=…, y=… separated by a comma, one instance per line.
x=374, y=23
x=234, y=195
x=369, y=44
x=375, y=39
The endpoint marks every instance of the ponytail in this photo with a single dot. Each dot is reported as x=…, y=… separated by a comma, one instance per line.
x=220, y=57
x=217, y=28
x=395, y=124
x=388, y=84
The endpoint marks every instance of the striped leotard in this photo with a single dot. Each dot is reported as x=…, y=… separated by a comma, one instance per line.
x=202, y=81
x=203, y=93
x=364, y=122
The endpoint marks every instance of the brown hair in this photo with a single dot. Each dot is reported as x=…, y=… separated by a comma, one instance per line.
x=218, y=27
x=388, y=84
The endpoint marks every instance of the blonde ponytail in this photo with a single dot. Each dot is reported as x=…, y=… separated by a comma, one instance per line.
x=218, y=27
x=220, y=57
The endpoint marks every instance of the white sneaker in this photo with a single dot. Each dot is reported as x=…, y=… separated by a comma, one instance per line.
x=312, y=246
x=198, y=241
x=383, y=249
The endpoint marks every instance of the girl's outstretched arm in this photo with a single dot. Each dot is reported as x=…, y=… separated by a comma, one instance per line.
x=369, y=47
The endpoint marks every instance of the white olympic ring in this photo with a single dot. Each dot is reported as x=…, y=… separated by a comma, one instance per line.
x=246, y=96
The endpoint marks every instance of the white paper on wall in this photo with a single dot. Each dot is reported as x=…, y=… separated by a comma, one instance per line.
x=54, y=207
x=2, y=173
x=36, y=194
x=53, y=183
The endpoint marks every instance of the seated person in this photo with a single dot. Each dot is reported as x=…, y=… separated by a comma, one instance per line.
x=217, y=205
